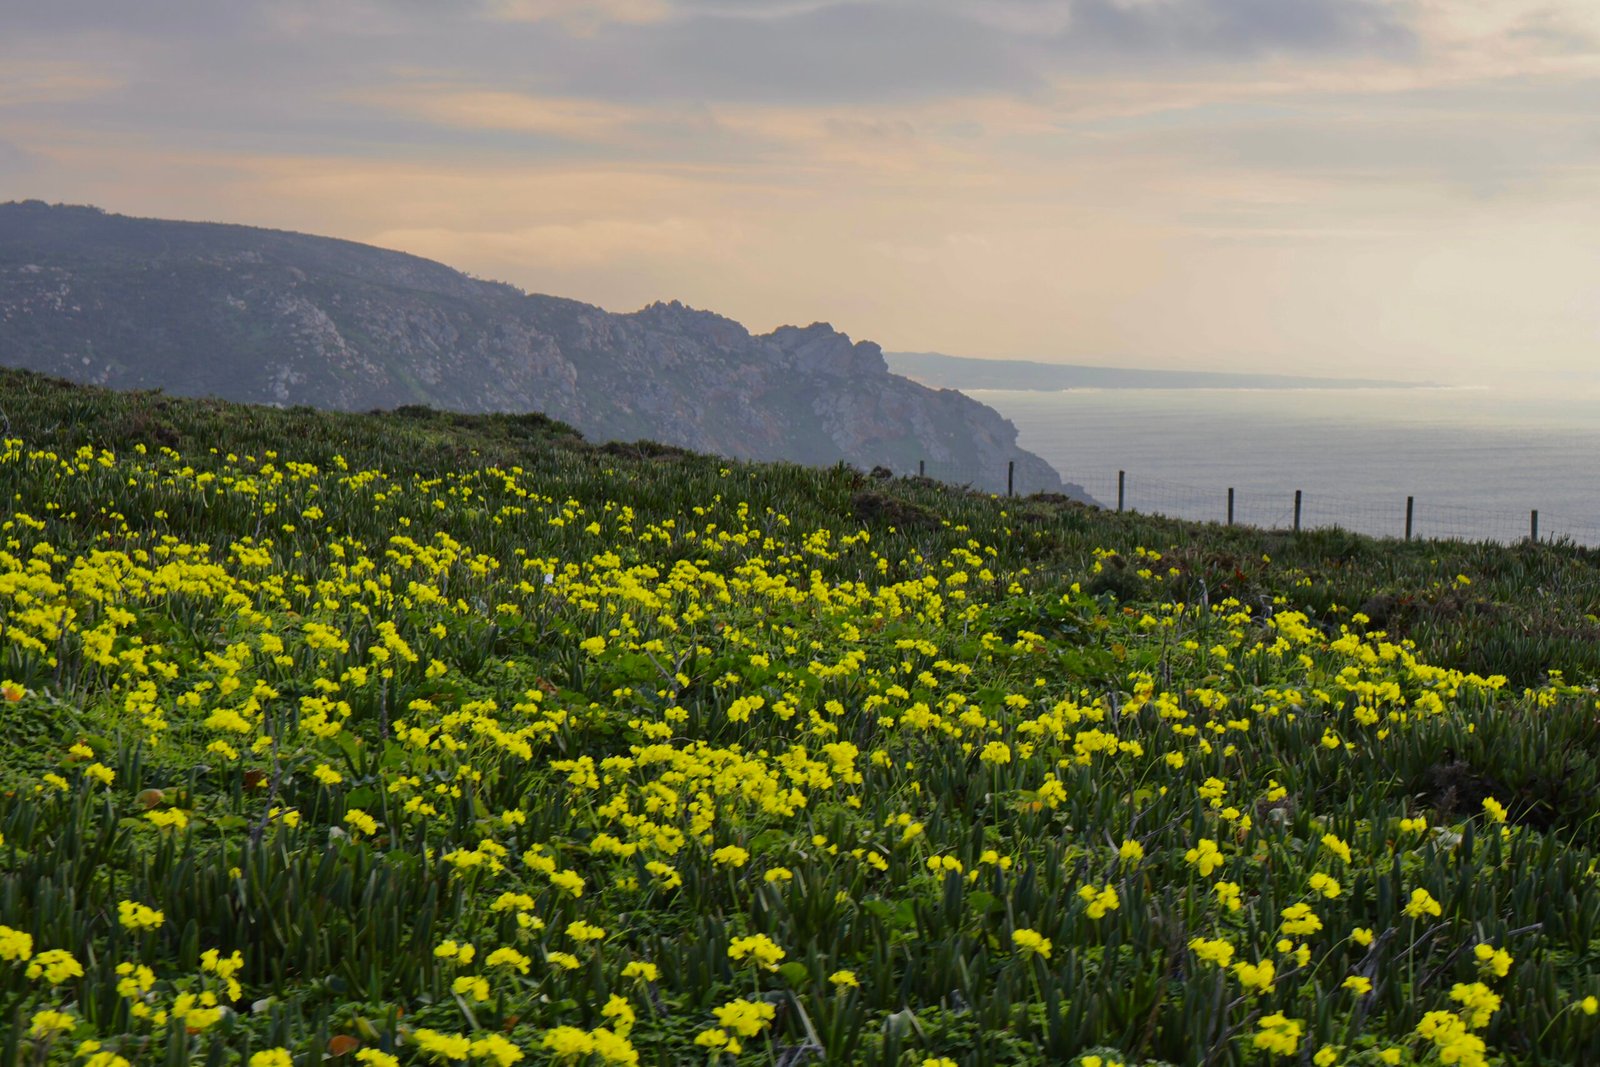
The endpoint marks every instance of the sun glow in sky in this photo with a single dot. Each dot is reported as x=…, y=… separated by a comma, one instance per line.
x=1396, y=189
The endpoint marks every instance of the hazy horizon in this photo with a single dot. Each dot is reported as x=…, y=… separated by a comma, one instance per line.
x=1333, y=188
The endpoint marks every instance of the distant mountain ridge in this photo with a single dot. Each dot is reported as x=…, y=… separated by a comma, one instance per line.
x=940, y=371
x=268, y=316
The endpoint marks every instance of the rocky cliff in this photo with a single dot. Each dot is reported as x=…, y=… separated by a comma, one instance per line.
x=266, y=316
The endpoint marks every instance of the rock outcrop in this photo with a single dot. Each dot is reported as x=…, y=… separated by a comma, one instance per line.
x=265, y=316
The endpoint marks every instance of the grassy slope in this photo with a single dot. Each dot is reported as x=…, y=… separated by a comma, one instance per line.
x=1521, y=611
x=1529, y=608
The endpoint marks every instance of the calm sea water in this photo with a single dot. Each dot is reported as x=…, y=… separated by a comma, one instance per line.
x=1477, y=461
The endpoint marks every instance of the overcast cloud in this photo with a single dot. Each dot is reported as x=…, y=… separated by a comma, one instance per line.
x=1322, y=185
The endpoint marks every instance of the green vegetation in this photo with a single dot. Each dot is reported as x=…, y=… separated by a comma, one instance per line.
x=427, y=738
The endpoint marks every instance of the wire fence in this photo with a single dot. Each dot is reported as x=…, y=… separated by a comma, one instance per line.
x=1014, y=478
x=1411, y=517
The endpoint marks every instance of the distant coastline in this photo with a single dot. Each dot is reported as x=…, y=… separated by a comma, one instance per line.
x=940, y=371
x=1346, y=387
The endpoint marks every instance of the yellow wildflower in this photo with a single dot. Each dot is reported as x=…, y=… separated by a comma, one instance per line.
x=1278, y=1034
x=1422, y=903
x=1031, y=943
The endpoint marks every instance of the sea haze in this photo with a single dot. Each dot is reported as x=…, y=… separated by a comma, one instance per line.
x=1476, y=460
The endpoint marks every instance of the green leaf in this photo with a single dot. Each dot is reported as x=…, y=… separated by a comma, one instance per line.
x=795, y=973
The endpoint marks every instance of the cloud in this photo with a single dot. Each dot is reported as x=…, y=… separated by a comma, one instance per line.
x=784, y=52
x=563, y=246
x=1210, y=29
x=1556, y=31
x=1457, y=152
x=582, y=120
x=842, y=52
x=581, y=16
x=878, y=143
x=1207, y=180
x=14, y=161
x=35, y=82
x=893, y=51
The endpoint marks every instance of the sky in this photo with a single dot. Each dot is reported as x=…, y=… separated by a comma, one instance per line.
x=1394, y=188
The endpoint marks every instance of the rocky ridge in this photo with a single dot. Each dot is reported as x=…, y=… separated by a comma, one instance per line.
x=267, y=316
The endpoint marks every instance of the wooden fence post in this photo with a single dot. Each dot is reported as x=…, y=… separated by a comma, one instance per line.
x=922, y=468
x=1297, y=511
x=1122, y=477
x=1533, y=525
x=1230, y=505
x=1409, y=502
x=1011, y=477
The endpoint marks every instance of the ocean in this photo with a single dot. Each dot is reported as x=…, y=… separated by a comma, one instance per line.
x=1477, y=462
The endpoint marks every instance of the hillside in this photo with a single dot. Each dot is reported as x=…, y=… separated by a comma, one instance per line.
x=1492, y=626
x=263, y=316
x=940, y=371
x=414, y=738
